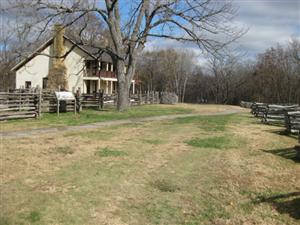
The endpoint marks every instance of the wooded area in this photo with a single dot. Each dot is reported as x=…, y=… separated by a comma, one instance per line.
x=273, y=77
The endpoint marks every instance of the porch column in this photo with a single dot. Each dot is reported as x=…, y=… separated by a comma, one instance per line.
x=83, y=87
x=106, y=66
x=106, y=88
x=99, y=84
x=111, y=87
x=133, y=87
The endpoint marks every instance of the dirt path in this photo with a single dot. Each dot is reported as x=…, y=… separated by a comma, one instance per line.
x=39, y=131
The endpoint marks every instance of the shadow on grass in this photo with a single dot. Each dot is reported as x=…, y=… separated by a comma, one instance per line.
x=284, y=203
x=282, y=132
x=288, y=153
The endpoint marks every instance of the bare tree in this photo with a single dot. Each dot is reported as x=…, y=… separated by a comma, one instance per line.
x=206, y=23
x=167, y=70
x=277, y=74
x=273, y=77
x=295, y=48
x=14, y=44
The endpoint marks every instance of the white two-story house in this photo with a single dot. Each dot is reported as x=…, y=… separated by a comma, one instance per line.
x=84, y=69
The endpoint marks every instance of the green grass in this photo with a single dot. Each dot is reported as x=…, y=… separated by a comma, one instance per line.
x=91, y=116
x=33, y=217
x=154, y=141
x=164, y=185
x=107, y=152
x=211, y=142
x=4, y=221
x=207, y=123
x=63, y=150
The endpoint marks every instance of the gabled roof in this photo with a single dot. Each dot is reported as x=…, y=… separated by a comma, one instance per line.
x=101, y=56
x=87, y=49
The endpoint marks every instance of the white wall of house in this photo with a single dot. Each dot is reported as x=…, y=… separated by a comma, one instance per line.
x=75, y=64
x=38, y=68
x=34, y=70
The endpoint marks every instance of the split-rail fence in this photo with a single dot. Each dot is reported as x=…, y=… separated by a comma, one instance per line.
x=31, y=103
x=282, y=115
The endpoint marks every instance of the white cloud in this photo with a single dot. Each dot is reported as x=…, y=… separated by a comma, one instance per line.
x=269, y=22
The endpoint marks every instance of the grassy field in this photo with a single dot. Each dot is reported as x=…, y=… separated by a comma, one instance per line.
x=226, y=169
x=91, y=116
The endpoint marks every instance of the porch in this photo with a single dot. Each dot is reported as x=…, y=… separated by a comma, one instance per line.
x=108, y=85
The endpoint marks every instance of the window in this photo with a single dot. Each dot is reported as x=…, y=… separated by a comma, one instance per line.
x=88, y=64
x=103, y=66
x=45, y=81
x=27, y=84
x=110, y=67
x=91, y=64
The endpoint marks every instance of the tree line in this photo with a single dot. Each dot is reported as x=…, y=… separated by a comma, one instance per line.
x=272, y=77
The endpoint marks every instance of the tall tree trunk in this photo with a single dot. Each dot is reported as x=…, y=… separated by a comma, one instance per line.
x=123, y=93
x=183, y=91
x=124, y=82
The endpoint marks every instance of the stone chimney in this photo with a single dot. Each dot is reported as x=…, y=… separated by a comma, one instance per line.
x=58, y=43
x=57, y=77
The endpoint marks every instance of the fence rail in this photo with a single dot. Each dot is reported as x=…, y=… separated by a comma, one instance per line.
x=18, y=105
x=259, y=109
x=99, y=100
x=31, y=103
x=292, y=122
x=245, y=104
x=285, y=115
x=276, y=114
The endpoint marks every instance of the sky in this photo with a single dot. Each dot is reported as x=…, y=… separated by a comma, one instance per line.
x=268, y=22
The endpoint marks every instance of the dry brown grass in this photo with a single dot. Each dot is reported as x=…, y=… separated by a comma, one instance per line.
x=63, y=181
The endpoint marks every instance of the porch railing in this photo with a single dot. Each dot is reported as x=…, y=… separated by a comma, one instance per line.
x=100, y=73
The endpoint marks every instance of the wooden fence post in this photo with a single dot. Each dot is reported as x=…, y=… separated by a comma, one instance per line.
x=98, y=94
x=147, y=97
x=78, y=100
x=287, y=121
x=36, y=105
x=140, y=98
x=157, y=97
x=19, y=103
x=40, y=102
x=57, y=110
x=75, y=106
x=297, y=147
x=152, y=100
x=100, y=99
